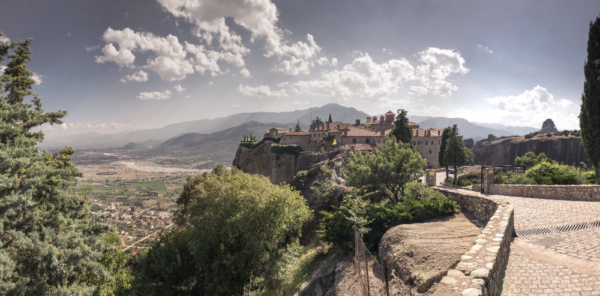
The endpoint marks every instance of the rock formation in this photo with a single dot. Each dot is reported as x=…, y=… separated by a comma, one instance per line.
x=504, y=151
x=469, y=143
x=548, y=127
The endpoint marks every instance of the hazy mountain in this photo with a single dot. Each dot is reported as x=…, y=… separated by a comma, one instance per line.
x=208, y=126
x=197, y=149
x=514, y=130
x=467, y=129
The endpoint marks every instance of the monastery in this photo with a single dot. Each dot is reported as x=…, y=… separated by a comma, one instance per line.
x=363, y=136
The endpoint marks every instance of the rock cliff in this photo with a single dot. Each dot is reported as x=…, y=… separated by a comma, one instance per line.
x=503, y=151
x=260, y=160
x=548, y=127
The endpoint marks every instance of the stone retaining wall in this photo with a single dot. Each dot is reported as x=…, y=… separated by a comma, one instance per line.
x=480, y=270
x=567, y=192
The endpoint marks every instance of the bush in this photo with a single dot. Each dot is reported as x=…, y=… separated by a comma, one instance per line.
x=289, y=149
x=465, y=180
x=298, y=181
x=548, y=135
x=252, y=145
x=547, y=173
x=530, y=159
x=512, y=177
x=420, y=203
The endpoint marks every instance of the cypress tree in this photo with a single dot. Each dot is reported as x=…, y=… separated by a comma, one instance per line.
x=298, y=128
x=444, y=142
x=47, y=244
x=401, y=130
x=330, y=118
x=455, y=154
x=589, y=118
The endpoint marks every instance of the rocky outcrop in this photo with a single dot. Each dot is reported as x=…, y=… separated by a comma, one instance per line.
x=549, y=127
x=332, y=277
x=469, y=143
x=504, y=151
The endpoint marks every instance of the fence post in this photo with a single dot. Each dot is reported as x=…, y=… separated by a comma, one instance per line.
x=367, y=273
x=385, y=274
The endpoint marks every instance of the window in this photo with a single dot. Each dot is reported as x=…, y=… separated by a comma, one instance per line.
x=367, y=141
x=429, y=151
x=354, y=141
x=431, y=142
x=425, y=143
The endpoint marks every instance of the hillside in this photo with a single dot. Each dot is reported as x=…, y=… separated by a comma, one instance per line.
x=467, y=129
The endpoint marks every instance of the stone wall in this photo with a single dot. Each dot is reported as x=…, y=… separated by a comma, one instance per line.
x=567, y=192
x=480, y=270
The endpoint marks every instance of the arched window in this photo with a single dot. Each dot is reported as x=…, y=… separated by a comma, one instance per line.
x=431, y=142
x=354, y=141
x=429, y=151
x=425, y=143
x=367, y=141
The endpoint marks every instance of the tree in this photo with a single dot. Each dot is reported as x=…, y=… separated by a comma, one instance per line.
x=444, y=143
x=589, y=118
x=298, y=128
x=330, y=118
x=47, y=244
x=456, y=153
x=530, y=159
x=231, y=229
x=387, y=169
x=401, y=130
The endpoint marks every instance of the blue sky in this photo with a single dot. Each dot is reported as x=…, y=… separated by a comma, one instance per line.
x=117, y=65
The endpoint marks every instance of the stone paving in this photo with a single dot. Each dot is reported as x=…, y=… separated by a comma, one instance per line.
x=571, y=261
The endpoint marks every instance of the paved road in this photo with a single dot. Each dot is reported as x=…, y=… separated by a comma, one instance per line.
x=557, y=263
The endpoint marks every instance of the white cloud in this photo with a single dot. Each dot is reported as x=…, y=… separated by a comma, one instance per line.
x=139, y=76
x=263, y=91
x=4, y=39
x=363, y=79
x=154, y=95
x=485, y=48
x=565, y=103
x=257, y=16
x=37, y=79
x=92, y=48
x=293, y=66
x=187, y=97
x=210, y=83
x=245, y=73
x=235, y=105
x=323, y=61
x=170, y=68
x=179, y=88
x=436, y=65
x=536, y=100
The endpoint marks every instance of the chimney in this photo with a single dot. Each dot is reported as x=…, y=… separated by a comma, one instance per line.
x=345, y=132
x=358, y=122
x=374, y=118
x=381, y=120
x=382, y=132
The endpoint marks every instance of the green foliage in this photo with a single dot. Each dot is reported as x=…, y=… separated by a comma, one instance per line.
x=48, y=246
x=444, y=143
x=530, y=159
x=219, y=169
x=401, y=130
x=232, y=229
x=548, y=135
x=589, y=118
x=456, y=153
x=299, y=180
x=298, y=128
x=289, y=149
x=387, y=169
x=550, y=173
x=330, y=120
x=513, y=177
x=465, y=180
x=374, y=219
x=251, y=145
x=323, y=188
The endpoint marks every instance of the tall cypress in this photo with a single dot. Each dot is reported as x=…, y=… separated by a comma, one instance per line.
x=330, y=120
x=589, y=118
x=401, y=130
x=455, y=154
x=444, y=143
x=47, y=244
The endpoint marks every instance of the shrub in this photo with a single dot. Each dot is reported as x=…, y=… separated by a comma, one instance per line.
x=420, y=203
x=528, y=136
x=548, y=135
x=289, y=149
x=547, y=173
x=530, y=159
x=465, y=180
x=298, y=181
x=512, y=177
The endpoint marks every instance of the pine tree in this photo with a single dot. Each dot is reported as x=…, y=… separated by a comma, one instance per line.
x=589, y=118
x=401, y=130
x=47, y=244
x=298, y=128
x=330, y=118
x=444, y=143
x=456, y=153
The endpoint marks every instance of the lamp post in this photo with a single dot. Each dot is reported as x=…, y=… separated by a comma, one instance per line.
x=482, y=177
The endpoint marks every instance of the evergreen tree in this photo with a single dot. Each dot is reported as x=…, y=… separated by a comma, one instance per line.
x=47, y=245
x=589, y=118
x=298, y=128
x=456, y=153
x=441, y=160
x=330, y=118
x=401, y=130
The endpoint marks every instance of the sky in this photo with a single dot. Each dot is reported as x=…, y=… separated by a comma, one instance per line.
x=119, y=65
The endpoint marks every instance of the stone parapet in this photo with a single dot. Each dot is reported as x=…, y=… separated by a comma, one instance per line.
x=479, y=271
x=565, y=192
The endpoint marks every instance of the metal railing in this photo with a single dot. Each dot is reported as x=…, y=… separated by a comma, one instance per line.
x=370, y=268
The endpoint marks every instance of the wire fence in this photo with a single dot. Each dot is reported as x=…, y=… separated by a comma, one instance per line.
x=373, y=276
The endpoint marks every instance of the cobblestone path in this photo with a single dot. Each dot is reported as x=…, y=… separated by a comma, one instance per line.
x=557, y=263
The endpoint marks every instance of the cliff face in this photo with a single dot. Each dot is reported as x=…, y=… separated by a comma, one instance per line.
x=503, y=151
x=278, y=167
